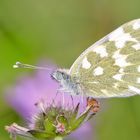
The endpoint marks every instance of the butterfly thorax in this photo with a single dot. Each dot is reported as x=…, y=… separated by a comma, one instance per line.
x=67, y=83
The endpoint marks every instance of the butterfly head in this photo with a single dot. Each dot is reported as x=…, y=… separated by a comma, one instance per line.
x=67, y=83
x=60, y=75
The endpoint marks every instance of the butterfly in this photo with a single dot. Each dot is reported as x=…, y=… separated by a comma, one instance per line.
x=108, y=68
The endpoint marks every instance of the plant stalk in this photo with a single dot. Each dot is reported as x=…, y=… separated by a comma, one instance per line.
x=58, y=138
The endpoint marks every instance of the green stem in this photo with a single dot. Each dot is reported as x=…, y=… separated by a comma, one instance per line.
x=58, y=138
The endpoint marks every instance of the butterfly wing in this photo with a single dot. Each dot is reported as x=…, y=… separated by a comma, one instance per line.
x=111, y=66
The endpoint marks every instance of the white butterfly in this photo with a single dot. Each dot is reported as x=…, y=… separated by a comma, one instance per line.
x=109, y=68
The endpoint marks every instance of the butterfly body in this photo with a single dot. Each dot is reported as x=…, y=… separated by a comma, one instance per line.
x=109, y=68
x=67, y=83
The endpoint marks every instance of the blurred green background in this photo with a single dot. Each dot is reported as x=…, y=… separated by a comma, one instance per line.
x=31, y=30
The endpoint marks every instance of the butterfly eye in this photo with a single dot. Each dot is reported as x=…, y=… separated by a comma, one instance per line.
x=63, y=74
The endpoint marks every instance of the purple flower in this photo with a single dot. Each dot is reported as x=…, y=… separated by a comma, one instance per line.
x=40, y=91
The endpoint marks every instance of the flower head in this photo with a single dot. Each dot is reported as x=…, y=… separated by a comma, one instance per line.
x=36, y=99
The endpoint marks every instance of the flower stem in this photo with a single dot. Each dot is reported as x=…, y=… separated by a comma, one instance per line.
x=58, y=138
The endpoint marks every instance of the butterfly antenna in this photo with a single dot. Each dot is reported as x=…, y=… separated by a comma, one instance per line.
x=55, y=98
x=21, y=65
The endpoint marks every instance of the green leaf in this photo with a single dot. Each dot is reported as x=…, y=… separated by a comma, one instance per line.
x=74, y=114
x=40, y=134
x=79, y=120
x=63, y=119
x=49, y=127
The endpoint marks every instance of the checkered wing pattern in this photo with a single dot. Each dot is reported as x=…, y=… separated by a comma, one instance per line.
x=111, y=66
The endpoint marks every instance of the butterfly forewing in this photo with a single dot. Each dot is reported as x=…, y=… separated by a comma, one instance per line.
x=111, y=67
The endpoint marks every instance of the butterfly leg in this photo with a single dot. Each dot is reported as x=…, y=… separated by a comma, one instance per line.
x=82, y=97
x=62, y=90
x=72, y=101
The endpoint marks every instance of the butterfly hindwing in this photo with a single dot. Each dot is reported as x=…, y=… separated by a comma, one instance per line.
x=111, y=67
